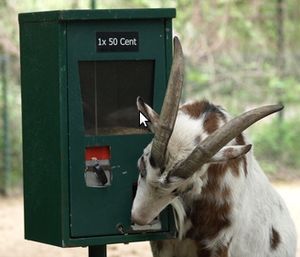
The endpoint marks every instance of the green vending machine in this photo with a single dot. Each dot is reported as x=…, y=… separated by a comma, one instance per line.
x=81, y=72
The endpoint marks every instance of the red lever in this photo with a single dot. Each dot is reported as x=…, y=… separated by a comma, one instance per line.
x=97, y=152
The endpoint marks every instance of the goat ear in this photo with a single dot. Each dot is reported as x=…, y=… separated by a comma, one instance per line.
x=230, y=152
x=149, y=113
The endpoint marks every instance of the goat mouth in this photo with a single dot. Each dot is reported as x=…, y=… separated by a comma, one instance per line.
x=144, y=222
x=140, y=222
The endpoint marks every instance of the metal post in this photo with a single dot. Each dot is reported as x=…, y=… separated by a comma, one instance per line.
x=5, y=136
x=93, y=4
x=97, y=251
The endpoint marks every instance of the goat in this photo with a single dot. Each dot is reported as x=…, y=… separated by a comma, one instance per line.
x=201, y=163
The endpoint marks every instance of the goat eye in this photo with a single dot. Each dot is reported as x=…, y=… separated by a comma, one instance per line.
x=152, y=162
x=142, y=167
x=175, y=192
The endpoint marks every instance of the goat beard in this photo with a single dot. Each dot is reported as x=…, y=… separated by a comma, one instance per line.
x=179, y=215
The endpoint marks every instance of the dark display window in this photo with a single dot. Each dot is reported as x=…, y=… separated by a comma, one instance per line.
x=109, y=90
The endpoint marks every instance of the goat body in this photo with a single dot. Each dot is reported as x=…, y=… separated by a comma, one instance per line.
x=200, y=162
x=226, y=208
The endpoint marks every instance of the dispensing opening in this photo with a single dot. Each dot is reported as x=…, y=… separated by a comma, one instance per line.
x=109, y=90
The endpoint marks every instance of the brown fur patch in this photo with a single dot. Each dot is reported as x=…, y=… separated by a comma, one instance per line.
x=234, y=166
x=156, y=247
x=213, y=119
x=210, y=214
x=274, y=239
x=226, y=192
x=209, y=219
x=159, y=245
x=218, y=170
x=206, y=215
x=202, y=251
x=211, y=122
x=198, y=108
x=245, y=165
x=213, y=114
x=194, y=109
x=222, y=252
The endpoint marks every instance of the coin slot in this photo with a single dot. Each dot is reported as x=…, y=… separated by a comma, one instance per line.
x=97, y=166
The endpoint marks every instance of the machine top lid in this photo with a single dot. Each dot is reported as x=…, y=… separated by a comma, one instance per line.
x=98, y=14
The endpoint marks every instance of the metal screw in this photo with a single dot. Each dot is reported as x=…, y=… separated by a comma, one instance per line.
x=120, y=228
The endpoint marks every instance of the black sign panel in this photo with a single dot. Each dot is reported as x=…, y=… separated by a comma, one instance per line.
x=117, y=41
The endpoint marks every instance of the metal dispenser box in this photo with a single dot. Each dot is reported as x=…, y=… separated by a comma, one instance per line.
x=81, y=71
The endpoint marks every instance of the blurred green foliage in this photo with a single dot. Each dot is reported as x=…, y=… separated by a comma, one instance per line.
x=277, y=145
x=239, y=54
x=14, y=137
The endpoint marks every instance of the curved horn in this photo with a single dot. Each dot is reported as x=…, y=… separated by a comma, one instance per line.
x=170, y=107
x=214, y=142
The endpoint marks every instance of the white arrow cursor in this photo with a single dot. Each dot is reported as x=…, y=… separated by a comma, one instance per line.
x=143, y=120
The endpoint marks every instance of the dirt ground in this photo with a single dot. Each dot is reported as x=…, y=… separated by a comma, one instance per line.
x=12, y=243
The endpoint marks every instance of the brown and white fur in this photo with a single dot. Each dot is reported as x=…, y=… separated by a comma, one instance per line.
x=227, y=208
